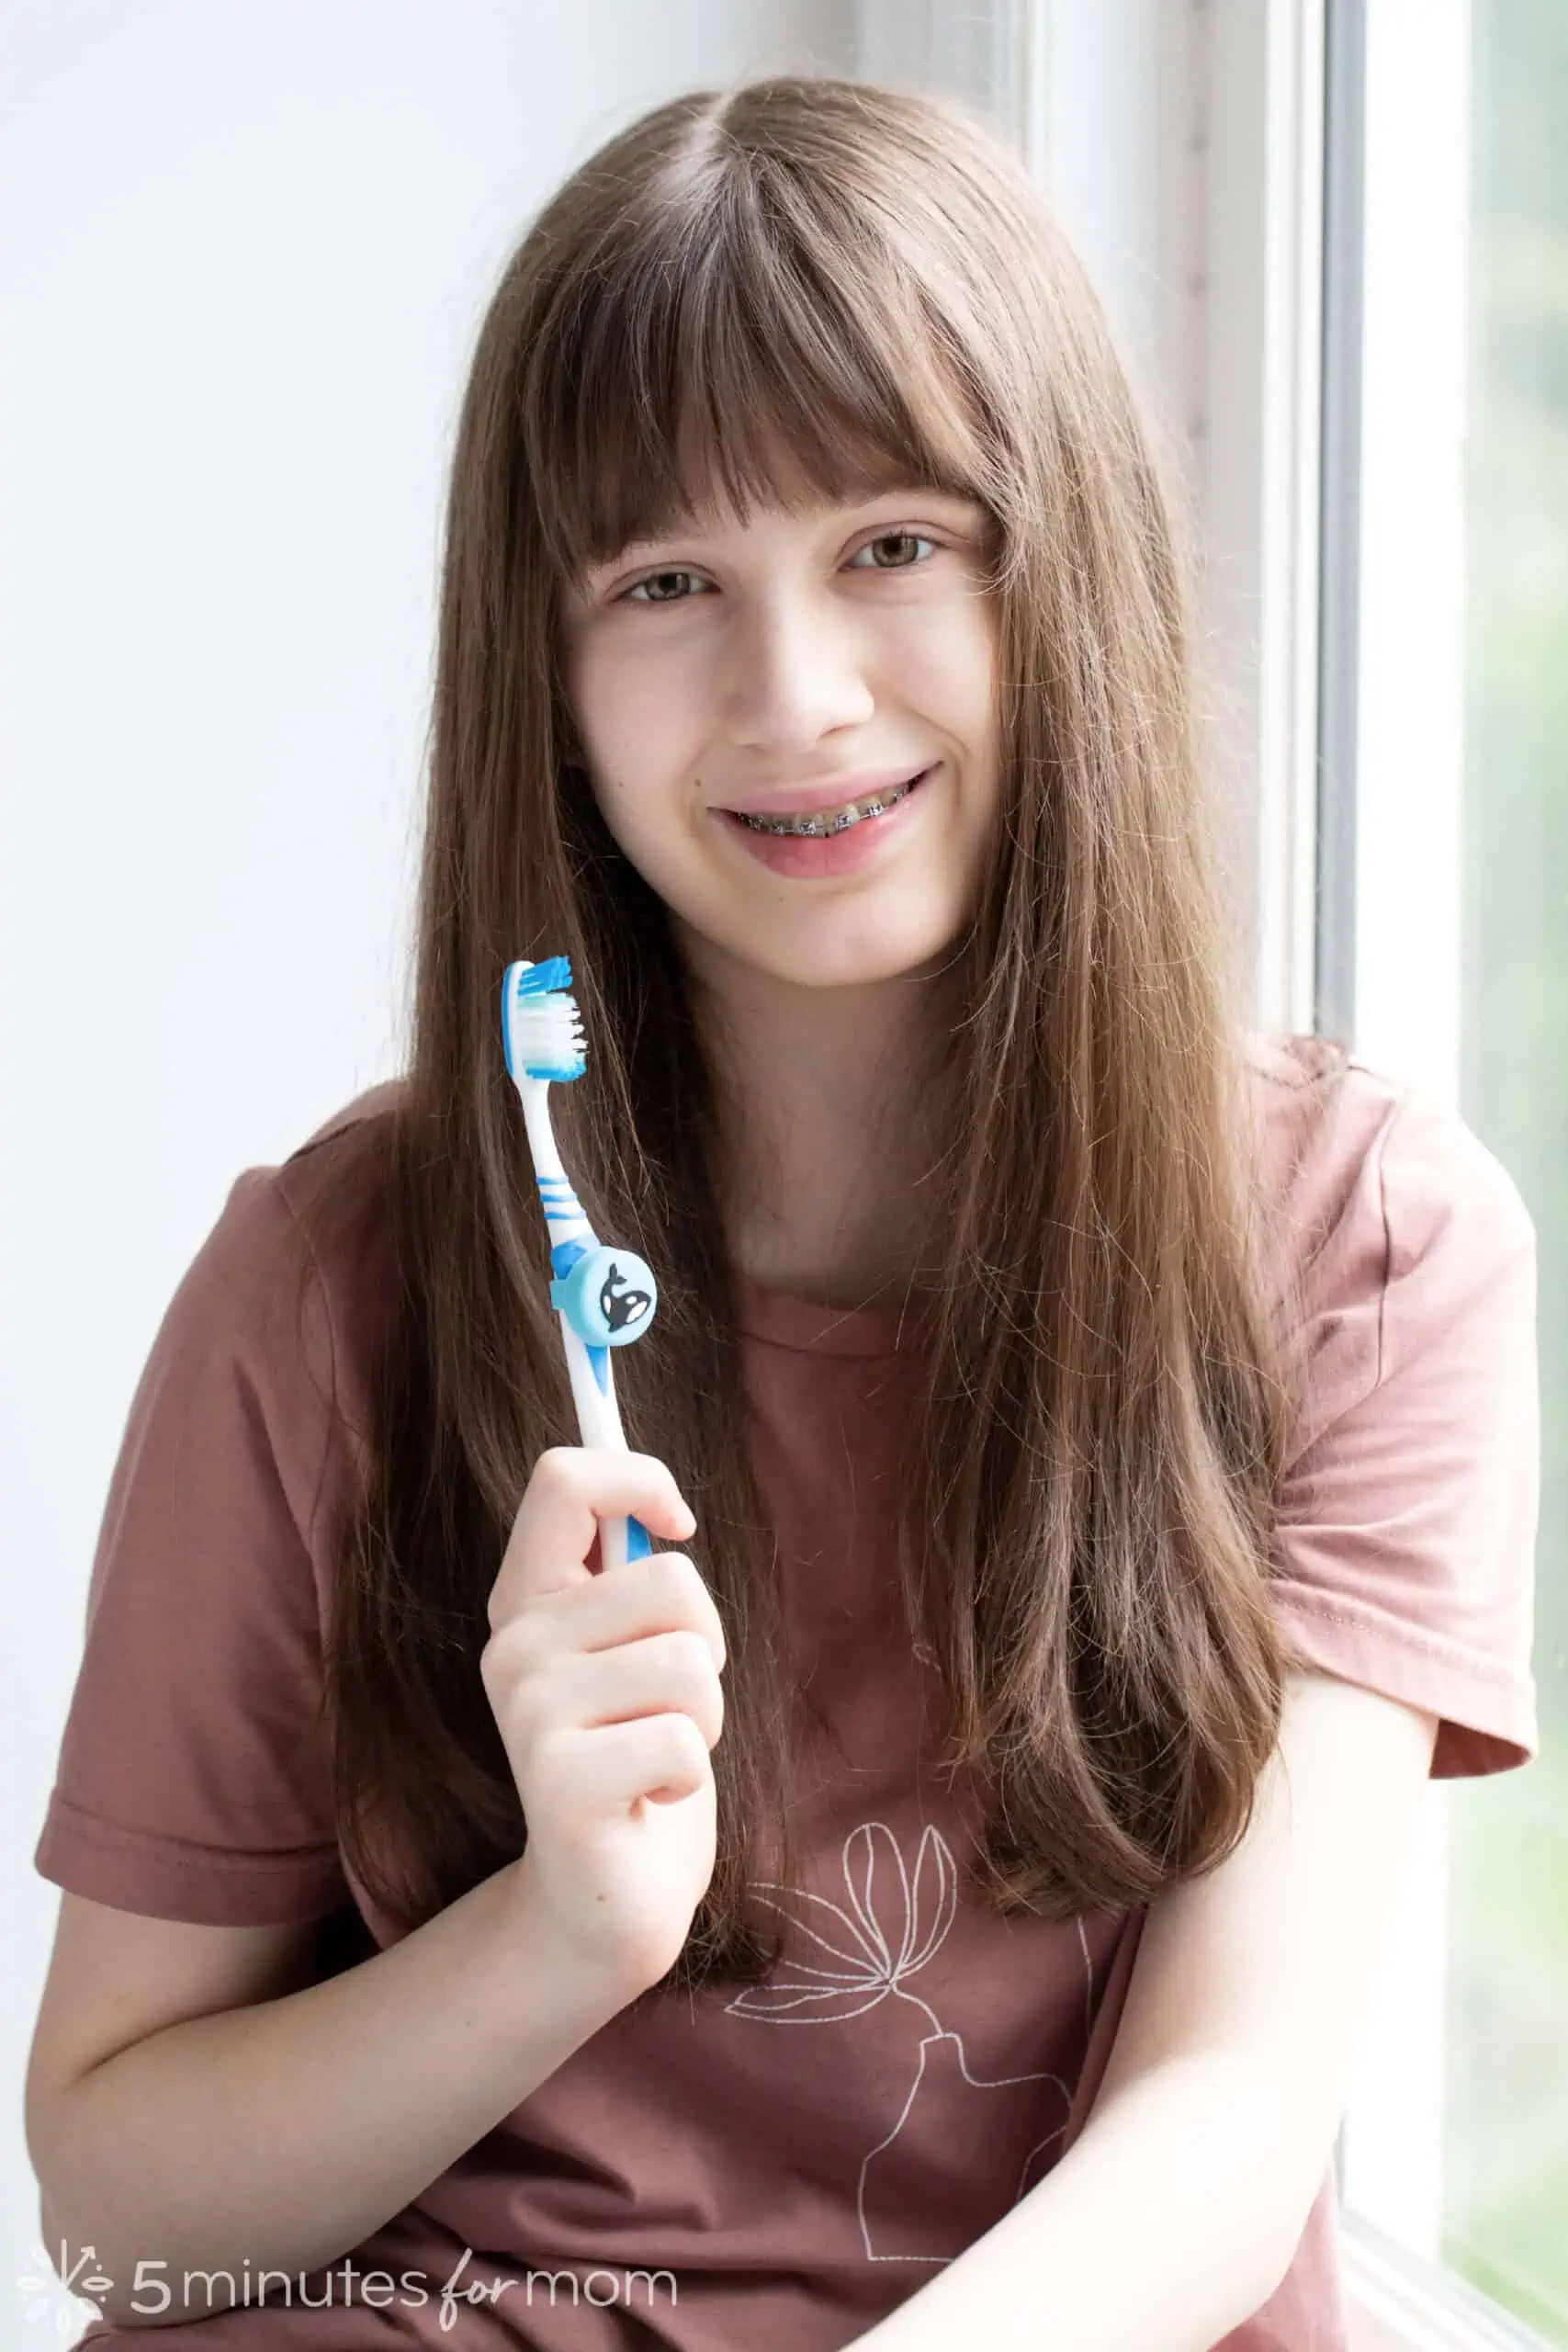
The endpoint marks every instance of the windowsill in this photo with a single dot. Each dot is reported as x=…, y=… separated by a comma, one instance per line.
x=1400, y=2302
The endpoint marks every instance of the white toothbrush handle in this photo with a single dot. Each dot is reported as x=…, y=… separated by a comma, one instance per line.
x=599, y=1424
x=598, y=1415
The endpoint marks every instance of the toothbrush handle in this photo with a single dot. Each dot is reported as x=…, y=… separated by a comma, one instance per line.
x=623, y=1537
x=621, y=1540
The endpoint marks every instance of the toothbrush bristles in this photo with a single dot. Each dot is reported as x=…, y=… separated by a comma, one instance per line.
x=545, y=1026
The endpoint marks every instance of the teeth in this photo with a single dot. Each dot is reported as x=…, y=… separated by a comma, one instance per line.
x=831, y=820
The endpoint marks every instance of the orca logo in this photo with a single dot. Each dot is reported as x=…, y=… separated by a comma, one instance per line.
x=620, y=1306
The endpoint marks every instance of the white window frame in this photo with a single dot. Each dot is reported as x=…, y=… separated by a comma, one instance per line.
x=1183, y=144
x=1406, y=723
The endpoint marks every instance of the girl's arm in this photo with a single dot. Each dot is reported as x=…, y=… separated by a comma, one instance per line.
x=1177, y=2211
x=291, y=2128
x=284, y=2132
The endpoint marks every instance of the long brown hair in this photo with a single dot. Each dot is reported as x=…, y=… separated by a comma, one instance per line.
x=867, y=281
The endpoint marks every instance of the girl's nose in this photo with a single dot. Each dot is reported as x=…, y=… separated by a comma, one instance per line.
x=797, y=673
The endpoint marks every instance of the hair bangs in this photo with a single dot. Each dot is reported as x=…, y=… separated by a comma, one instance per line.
x=723, y=358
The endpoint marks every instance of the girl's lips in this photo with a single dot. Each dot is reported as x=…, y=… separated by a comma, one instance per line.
x=814, y=856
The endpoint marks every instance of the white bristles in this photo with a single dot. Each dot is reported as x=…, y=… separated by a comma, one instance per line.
x=544, y=1035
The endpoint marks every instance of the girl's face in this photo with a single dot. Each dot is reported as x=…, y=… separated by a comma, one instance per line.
x=788, y=665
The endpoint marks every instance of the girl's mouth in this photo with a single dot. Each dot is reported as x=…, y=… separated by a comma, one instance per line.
x=822, y=821
x=831, y=840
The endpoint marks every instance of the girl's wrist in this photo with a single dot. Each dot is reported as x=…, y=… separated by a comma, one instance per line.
x=579, y=1986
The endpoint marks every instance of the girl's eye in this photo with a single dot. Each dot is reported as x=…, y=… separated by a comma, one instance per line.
x=658, y=580
x=894, y=539
x=661, y=587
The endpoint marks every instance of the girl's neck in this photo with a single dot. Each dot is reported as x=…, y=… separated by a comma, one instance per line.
x=827, y=1120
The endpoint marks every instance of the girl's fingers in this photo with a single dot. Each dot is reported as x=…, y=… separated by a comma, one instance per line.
x=572, y=1488
x=595, y=1775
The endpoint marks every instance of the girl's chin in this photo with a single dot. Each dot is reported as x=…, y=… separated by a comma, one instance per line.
x=833, y=949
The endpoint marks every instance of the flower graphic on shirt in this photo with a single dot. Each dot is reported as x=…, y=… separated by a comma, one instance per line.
x=865, y=1950
x=48, y=2303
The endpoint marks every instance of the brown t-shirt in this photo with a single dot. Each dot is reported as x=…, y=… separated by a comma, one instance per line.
x=792, y=2161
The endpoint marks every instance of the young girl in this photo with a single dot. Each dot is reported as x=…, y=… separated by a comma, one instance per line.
x=1089, y=1445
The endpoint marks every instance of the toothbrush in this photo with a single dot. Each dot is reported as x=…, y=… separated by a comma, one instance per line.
x=605, y=1297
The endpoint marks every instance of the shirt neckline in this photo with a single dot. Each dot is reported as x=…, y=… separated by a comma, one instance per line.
x=783, y=1320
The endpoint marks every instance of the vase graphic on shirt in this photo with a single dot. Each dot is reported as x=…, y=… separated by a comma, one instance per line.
x=859, y=1968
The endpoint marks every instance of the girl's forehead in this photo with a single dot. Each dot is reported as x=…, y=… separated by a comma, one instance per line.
x=806, y=508
x=693, y=480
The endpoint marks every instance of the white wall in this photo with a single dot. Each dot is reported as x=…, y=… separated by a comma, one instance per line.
x=246, y=250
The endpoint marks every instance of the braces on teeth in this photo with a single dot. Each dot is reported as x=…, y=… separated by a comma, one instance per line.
x=837, y=821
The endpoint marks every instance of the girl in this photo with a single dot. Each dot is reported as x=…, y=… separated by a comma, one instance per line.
x=1069, y=1414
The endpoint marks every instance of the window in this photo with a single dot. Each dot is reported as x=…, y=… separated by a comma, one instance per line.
x=1440, y=949
x=1505, y=2132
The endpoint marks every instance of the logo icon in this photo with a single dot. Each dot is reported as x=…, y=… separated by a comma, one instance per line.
x=48, y=2303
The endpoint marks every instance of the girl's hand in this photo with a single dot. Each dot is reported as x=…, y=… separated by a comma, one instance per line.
x=605, y=1689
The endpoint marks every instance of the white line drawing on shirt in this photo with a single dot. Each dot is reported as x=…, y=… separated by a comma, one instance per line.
x=862, y=1970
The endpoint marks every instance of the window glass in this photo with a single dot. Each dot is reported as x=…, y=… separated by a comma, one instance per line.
x=1506, y=2169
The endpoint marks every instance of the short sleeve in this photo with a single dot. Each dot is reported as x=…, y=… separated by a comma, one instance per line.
x=1404, y=1545
x=193, y=1779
